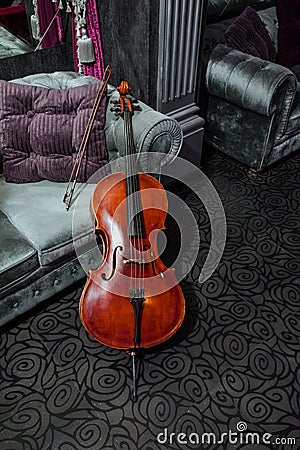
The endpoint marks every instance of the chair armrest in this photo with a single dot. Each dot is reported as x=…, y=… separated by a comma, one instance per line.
x=250, y=82
x=152, y=131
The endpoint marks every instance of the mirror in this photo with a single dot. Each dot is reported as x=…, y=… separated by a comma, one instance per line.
x=69, y=23
x=23, y=23
x=14, y=29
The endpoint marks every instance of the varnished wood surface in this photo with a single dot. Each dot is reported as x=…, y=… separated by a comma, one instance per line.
x=105, y=308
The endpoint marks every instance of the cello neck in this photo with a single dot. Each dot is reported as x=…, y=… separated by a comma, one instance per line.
x=135, y=221
x=131, y=162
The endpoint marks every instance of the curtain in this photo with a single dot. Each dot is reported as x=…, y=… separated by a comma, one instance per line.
x=95, y=69
x=46, y=12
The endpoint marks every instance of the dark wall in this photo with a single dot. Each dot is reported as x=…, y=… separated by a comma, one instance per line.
x=129, y=30
x=46, y=60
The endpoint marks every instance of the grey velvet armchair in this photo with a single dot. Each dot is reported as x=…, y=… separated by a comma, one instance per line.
x=253, y=109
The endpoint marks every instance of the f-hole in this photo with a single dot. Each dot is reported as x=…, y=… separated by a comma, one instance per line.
x=114, y=264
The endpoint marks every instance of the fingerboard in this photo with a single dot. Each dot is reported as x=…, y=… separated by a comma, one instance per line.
x=135, y=220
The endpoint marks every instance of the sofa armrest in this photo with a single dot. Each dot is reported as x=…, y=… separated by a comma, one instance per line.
x=250, y=82
x=152, y=131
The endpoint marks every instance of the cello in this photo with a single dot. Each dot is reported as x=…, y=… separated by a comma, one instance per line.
x=132, y=300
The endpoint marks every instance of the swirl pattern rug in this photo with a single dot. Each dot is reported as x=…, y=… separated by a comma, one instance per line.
x=234, y=365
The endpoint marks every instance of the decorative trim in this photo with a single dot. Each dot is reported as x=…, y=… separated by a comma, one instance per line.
x=170, y=128
x=86, y=18
x=179, y=46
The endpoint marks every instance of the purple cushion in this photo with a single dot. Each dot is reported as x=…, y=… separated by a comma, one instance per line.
x=41, y=130
x=248, y=34
x=288, y=15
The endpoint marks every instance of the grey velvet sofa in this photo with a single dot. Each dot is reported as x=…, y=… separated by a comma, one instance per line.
x=252, y=107
x=11, y=45
x=37, y=256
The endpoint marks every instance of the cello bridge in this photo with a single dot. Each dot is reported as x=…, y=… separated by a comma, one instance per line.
x=136, y=261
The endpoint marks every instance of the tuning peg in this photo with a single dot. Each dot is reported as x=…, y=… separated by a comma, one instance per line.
x=116, y=110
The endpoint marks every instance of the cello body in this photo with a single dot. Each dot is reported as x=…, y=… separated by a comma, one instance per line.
x=132, y=300
x=105, y=309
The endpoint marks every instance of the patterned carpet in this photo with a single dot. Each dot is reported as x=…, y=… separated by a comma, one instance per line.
x=233, y=368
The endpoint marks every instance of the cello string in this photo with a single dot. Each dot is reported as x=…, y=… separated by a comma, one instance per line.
x=138, y=211
x=134, y=205
x=140, y=224
x=132, y=198
x=141, y=234
x=135, y=209
x=130, y=201
x=141, y=229
x=137, y=239
x=128, y=204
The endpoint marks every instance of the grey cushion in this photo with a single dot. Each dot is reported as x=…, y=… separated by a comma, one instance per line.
x=17, y=257
x=56, y=80
x=40, y=215
x=269, y=18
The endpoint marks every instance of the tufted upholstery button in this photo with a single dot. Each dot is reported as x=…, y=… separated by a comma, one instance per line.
x=56, y=282
x=37, y=293
x=30, y=113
